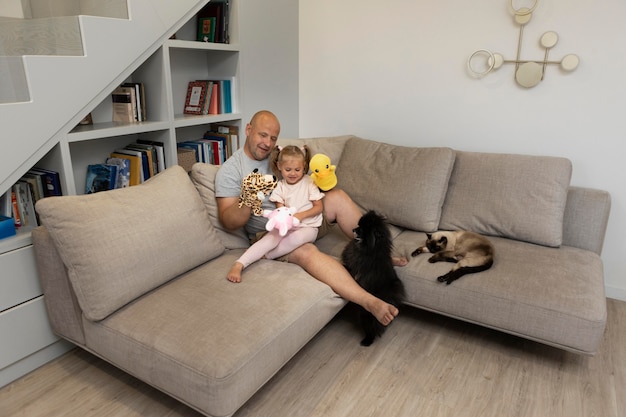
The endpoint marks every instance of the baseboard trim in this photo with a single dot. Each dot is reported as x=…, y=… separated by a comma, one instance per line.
x=616, y=293
x=34, y=361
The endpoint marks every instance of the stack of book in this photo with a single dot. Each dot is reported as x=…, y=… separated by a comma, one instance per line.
x=213, y=22
x=129, y=103
x=19, y=202
x=215, y=146
x=144, y=158
x=130, y=165
x=208, y=97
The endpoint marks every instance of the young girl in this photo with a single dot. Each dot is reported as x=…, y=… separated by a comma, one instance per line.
x=295, y=189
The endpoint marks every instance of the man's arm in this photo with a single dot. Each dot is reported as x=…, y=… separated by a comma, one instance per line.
x=231, y=215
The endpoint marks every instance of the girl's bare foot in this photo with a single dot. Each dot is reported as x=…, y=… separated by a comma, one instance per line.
x=234, y=275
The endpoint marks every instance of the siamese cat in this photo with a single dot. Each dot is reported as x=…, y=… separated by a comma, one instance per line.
x=469, y=251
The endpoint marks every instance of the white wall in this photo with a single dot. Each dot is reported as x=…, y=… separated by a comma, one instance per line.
x=268, y=33
x=396, y=71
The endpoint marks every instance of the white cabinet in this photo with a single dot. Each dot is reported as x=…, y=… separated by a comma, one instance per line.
x=26, y=339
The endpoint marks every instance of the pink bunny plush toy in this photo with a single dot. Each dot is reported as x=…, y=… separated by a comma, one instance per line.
x=281, y=219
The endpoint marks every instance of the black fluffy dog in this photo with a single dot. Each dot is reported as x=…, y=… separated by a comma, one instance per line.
x=368, y=259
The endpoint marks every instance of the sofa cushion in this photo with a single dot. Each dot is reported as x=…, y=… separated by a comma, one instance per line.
x=120, y=244
x=203, y=178
x=213, y=343
x=551, y=295
x=516, y=196
x=331, y=146
x=407, y=185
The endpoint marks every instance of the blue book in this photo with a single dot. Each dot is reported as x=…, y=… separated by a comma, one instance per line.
x=51, y=181
x=100, y=177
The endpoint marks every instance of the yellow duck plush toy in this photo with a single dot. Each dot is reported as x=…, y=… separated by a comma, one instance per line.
x=323, y=173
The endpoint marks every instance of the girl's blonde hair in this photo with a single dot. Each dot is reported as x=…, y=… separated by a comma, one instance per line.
x=280, y=152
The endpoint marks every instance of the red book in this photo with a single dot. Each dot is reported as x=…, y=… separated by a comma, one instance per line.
x=16, y=210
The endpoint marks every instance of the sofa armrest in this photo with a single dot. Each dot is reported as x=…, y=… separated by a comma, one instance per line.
x=64, y=312
x=586, y=217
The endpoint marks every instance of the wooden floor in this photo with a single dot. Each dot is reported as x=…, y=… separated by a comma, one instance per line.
x=425, y=365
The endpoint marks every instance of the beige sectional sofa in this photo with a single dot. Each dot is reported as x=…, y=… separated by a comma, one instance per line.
x=137, y=276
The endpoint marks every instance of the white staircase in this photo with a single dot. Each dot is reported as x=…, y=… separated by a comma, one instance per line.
x=47, y=95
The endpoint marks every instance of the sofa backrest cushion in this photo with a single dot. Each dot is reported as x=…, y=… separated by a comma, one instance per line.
x=331, y=146
x=119, y=244
x=520, y=197
x=405, y=184
x=203, y=178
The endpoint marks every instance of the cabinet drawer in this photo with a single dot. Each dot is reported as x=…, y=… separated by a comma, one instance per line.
x=19, y=281
x=24, y=330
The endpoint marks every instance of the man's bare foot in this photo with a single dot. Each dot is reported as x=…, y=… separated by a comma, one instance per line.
x=384, y=313
x=399, y=261
x=234, y=275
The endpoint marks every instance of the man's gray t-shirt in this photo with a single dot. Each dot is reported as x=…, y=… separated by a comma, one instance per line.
x=228, y=184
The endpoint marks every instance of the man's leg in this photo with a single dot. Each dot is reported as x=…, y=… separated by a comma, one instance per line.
x=329, y=271
x=339, y=208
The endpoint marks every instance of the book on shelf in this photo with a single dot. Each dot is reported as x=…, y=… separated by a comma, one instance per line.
x=51, y=181
x=140, y=101
x=124, y=105
x=148, y=158
x=36, y=183
x=225, y=96
x=140, y=166
x=129, y=103
x=24, y=204
x=159, y=147
x=142, y=160
x=100, y=177
x=214, y=100
x=206, y=29
x=222, y=144
x=15, y=211
x=232, y=133
x=123, y=171
x=213, y=151
x=218, y=12
x=215, y=146
x=19, y=202
x=6, y=205
x=208, y=97
x=135, y=164
x=196, y=96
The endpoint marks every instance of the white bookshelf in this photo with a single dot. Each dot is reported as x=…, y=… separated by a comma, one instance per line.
x=165, y=74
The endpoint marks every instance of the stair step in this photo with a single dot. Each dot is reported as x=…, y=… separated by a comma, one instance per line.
x=103, y=8
x=45, y=36
x=52, y=29
x=13, y=84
